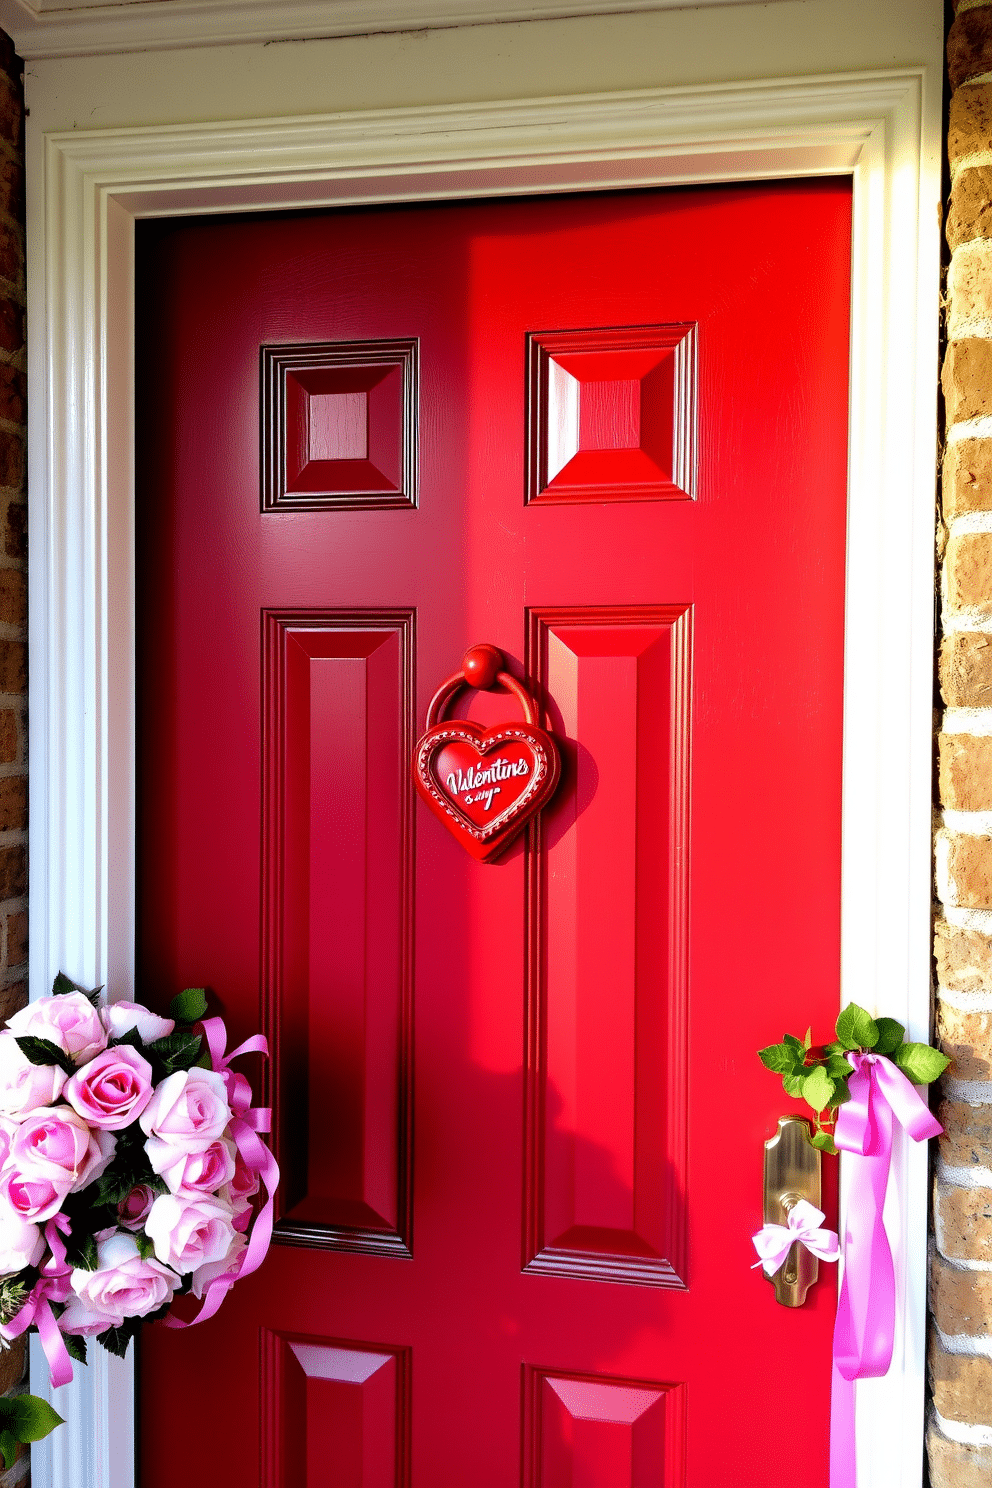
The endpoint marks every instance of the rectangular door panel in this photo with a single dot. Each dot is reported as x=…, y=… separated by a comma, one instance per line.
x=337, y=913
x=334, y=1413
x=587, y=1432
x=607, y=936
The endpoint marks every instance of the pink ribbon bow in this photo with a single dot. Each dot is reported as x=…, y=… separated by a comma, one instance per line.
x=52, y=1286
x=246, y=1122
x=865, y=1327
x=774, y=1241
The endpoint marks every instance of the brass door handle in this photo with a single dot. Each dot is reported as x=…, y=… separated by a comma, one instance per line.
x=792, y=1172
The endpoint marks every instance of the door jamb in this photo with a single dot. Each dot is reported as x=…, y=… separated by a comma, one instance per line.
x=882, y=128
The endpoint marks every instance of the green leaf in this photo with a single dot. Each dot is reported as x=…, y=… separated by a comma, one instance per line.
x=794, y=1043
x=82, y=1253
x=8, y=1448
x=837, y=1067
x=146, y=1247
x=857, y=1029
x=833, y=1048
x=778, y=1057
x=75, y=1347
x=818, y=1088
x=132, y=1038
x=920, y=1063
x=177, y=1051
x=62, y=986
x=188, y=1006
x=808, y=1039
x=824, y=1142
x=116, y=1340
x=890, y=1036
x=43, y=1051
x=31, y=1418
x=793, y=1085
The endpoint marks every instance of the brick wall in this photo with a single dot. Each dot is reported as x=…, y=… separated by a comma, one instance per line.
x=13, y=597
x=960, y=1433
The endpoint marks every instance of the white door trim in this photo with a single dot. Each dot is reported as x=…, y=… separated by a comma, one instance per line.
x=883, y=128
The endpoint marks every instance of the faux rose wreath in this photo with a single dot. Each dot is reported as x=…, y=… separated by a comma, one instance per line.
x=130, y=1161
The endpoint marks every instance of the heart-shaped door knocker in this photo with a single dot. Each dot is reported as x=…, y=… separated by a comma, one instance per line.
x=485, y=783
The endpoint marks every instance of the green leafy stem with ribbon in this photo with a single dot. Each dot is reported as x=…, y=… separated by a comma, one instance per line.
x=818, y=1073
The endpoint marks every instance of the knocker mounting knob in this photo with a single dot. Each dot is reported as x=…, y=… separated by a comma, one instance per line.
x=485, y=784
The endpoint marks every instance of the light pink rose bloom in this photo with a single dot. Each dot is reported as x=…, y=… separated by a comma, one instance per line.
x=133, y=1211
x=122, y=1286
x=113, y=1089
x=119, y=1018
x=192, y=1174
x=25, y=1086
x=189, y=1109
x=242, y=1188
x=21, y=1242
x=189, y=1233
x=57, y=1144
x=32, y=1195
x=71, y=1022
x=232, y=1262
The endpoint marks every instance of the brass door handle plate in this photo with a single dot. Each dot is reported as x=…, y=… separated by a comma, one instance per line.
x=792, y=1172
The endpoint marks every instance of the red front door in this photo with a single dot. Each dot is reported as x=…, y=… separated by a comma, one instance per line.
x=518, y=1108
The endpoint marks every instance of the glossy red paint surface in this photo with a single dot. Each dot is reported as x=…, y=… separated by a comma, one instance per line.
x=518, y=1107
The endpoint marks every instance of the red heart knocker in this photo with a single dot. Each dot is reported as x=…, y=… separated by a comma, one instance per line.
x=485, y=783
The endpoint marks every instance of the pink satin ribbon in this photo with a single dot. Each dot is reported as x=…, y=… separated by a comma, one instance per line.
x=52, y=1286
x=773, y=1241
x=246, y=1123
x=865, y=1327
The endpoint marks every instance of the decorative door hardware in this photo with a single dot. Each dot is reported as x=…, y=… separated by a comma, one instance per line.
x=792, y=1208
x=485, y=783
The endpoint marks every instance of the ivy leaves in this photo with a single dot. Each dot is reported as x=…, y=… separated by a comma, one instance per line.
x=818, y=1074
x=26, y=1418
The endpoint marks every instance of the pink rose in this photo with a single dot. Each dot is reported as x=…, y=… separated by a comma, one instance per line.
x=243, y=1186
x=57, y=1144
x=133, y=1211
x=113, y=1089
x=122, y=1286
x=25, y=1086
x=229, y=1264
x=21, y=1242
x=119, y=1018
x=192, y=1173
x=71, y=1022
x=189, y=1109
x=189, y=1233
x=32, y=1195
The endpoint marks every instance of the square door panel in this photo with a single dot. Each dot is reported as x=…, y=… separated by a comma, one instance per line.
x=612, y=414
x=339, y=425
x=589, y=1431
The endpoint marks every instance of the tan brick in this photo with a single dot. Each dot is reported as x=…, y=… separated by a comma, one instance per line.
x=13, y=872
x=964, y=958
x=967, y=476
x=969, y=46
x=970, y=212
x=961, y=1301
x=966, y=378
x=969, y=125
x=17, y=938
x=969, y=865
x=967, y=1139
x=962, y=1386
x=968, y=566
x=969, y=285
x=963, y=1221
x=13, y=596
x=966, y=670
x=965, y=771
x=953, y=1465
x=966, y=1038
x=13, y=803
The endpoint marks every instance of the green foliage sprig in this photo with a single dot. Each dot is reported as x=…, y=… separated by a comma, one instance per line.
x=818, y=1073
x=26, y=1418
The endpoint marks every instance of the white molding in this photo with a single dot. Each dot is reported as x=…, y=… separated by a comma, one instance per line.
x=884, y=128
x=89, y=28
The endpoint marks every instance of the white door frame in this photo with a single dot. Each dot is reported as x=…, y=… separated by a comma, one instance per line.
x=883, y=128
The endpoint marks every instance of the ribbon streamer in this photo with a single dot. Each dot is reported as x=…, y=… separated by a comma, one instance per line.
x=865, y=1326
x=773, y=1241
x=246, y=1122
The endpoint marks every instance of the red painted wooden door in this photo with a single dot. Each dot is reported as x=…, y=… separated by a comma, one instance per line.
x=518, y=1108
